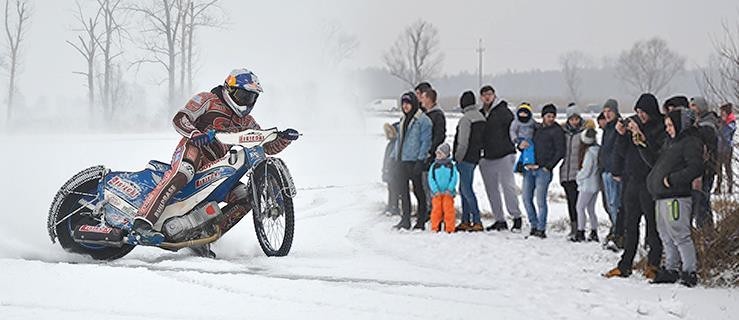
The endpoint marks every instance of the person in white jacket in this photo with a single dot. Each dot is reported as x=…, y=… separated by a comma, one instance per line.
x=587, y=186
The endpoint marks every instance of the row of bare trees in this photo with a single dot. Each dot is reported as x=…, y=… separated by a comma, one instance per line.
x=169, y=36
x=104, y=28
x=648, y=66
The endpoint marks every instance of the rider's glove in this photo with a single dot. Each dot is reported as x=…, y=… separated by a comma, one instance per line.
x=289, y=134
x=200, y=139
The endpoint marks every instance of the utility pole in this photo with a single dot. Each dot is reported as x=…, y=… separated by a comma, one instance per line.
x=480, y=50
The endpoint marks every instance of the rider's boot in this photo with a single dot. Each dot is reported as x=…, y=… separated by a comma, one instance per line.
x=144, y=234
x=203, y=251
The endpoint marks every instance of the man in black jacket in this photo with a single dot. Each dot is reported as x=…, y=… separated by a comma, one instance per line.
x=647, y=131
x=499, y=156
x=680, y=161
x=612, y=185
x=549, y=149
x=438, y=130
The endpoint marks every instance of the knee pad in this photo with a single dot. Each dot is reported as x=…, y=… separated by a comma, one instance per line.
x=187, y=169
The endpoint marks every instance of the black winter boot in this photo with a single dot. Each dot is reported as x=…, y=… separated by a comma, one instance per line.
x=579, y=236
x=688, y=279
x=403, y=224
x=573, y=230
x=516, y=225
x=498, y=226
x=593, y=236
x=666, y=276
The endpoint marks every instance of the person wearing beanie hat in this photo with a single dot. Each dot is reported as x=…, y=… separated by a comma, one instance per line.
x=445, y=150
x=549, y=140
x=645, y=133
x=588, y=186
x=611, y=183
x=442, y=181
x=708, y=123
x=612, y=105
x=699, y=105
x=674, y=168
x=389, y=167
x=411, y=151
x=498, y=157
x=467, y=99
x=674, y=103
x=571, y=164
x=522, y=129
x=467, y=152
x=547, y=109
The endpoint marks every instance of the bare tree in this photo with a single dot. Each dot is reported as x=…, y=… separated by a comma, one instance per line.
x=720, y=79
x=415, y=55
x=195, y=14
x=573, y=63
x=649, y=66
x=337, y=45
x=87, y=46
x=111, y=12
x=16, y=24
x=164, y=21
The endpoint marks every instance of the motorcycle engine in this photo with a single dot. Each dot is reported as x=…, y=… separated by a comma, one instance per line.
x=189, y=225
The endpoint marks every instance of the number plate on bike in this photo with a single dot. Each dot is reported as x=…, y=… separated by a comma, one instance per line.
x=255, y=155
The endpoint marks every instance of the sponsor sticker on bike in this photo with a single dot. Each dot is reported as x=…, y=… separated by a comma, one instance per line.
x=127, y=187
x=95, y=229
x=251, y=137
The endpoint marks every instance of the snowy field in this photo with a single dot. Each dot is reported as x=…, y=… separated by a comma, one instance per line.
x=346, y=262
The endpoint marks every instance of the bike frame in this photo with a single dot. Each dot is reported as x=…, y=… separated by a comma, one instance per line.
x=124, y=192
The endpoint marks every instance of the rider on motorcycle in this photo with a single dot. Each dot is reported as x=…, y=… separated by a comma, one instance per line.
x=225, y=108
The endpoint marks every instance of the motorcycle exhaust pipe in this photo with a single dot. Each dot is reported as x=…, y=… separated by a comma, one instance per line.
x=191, y=243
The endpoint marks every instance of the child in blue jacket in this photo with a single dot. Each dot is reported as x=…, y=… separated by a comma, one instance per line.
x=443, y=178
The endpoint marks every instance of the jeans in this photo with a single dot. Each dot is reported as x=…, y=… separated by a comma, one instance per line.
x=613, y=196
x=536, y=182
x=407, y=173
x=469, y=201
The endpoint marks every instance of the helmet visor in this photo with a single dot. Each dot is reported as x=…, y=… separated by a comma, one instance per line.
x=243, y=97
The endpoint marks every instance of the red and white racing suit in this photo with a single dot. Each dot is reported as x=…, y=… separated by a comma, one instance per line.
x=205, y=111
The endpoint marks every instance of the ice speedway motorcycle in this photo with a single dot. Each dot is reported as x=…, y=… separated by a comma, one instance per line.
x=93, y=211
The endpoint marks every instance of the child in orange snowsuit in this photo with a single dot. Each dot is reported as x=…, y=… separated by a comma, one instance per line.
x=442, y=180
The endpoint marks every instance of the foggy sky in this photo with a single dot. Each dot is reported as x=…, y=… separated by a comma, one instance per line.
x=280, y=39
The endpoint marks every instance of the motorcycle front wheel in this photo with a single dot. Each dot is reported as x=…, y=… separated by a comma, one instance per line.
x=273, y=214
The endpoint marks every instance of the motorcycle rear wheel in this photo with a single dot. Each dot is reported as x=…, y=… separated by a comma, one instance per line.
x=82, y=187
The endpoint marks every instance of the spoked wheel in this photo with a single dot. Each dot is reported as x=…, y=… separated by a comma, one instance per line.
x=72, y=207
x=274, y=218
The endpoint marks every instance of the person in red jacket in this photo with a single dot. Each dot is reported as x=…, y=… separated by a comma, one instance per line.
x=225, y=108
